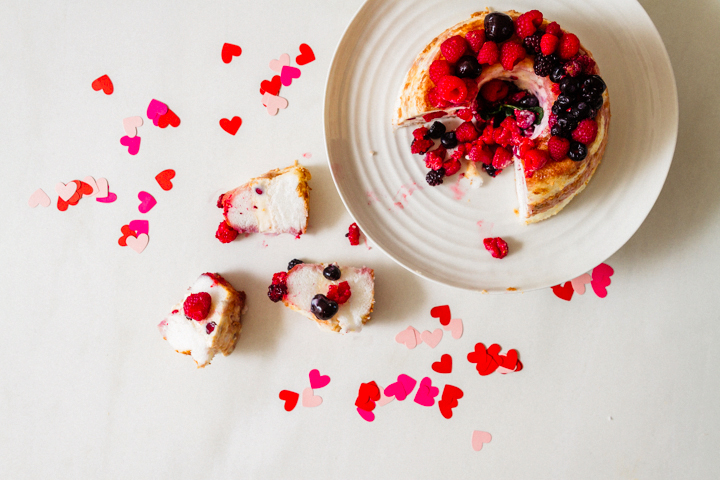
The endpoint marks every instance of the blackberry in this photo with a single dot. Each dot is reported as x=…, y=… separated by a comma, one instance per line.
x=577, y=152
x=294, y=262
x=449, y=140
x=532, y=43
x=436, y=130
x=332, y=272
x=435, y=177
x=276, y=292
x=543, y=65
x=490, y=170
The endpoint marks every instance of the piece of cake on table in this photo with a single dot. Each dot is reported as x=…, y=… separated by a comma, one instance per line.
x=338, y=299
x=207, y=320
x=273, y=203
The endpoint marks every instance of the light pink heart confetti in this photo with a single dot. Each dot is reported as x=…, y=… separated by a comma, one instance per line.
x=131, y=124
x=91, y=181
x=274, y=103
x=384, y=399
x=432, y=338
x=39, y=197
x=578, y=283
x=138, y=243
x=103, y=189
x=479, y=439
x=309, y=399
x=277, y=65
x=66, y=191
x=408, y=337
x=455, y=326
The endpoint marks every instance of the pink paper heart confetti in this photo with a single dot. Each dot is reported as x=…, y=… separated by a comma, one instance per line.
x=384, y=399
x=426, y=393
x=601, y=279
x=132, y=144
x=277, y=65
x=274, y=103
x=156, y=109
x=131, y=124
x=309, y=399
x=66, y=191
x=408, y=337
x=288, y=74
x=479, y=439
x=140, y=226
x=456, y=327
x=578, y=283
x=110, y=198
x=103, y=189
x=91, y=181
x=316, y=380
x=138, y=243
x=39, y=197
x=367, y=416
x=147, y=202
x=432, y=338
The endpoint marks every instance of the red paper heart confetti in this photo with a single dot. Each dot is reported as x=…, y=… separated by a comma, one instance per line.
x=229, y=51
x=290, y=399
x=449, y=400
x=169, y=118
x=271, y=86
x=83, y=188
x=444, y=365
x=368, y=394
x=485, y=364
x=306, y=55
x=442, y=313
x=164, y=179
x=126, y=232
x=103, y=83
x=563, y=291
x=62, y=205
x=231, y=126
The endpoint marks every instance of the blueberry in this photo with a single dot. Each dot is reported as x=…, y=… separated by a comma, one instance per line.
x=529, y=101
x=557, y=131
x=332, y=272
x=570, y=86
x=556, y=109
x=449, y=140
x=436, y=130
x=490, y=170
x=577, y=152
x=594, y=102
x=581, y=110
x=564, y=101
x=294, y=262
x=498, y=27
x=567, y=123
x=594, y=85
x=322, y=307
x=557, y=74
x=468, y=67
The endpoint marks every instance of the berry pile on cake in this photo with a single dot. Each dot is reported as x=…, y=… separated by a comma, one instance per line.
x=338, y=299
x=527, y=91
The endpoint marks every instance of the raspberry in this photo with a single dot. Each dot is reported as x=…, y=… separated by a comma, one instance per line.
x=548, y=44
x=421, y=146
x=525, y=118
x=339, y=293
x=465, y=113
x=497, y=247
x=353, y=234
x=524, y=146
x=466, y=132
x=277, y=292
x=420, y=133
x=435, y=177
x=225, y=233
x=502, y=158
x=453, y=48
x=494, y=90
x=554, y=29
x=220, y=201
x=544, y=65
x=532, y=43
x=588, y=64
x=279, y=278
x=210, y=327
x=488, y=135
x=510, y=54
x=569, y=46
x=527, y=23
x=586, y=131
x=574, y=66
x=451, y=167
x=435, y=100
x=452, y=89
x=197, y=306
x=433, y=115
x=480, y=153
x=489, y=53
x=475, y=39
x=558, y=147
x=439, y=69
x=472, y=90
x=552, y=121
x=535, y=160
x=435, y=158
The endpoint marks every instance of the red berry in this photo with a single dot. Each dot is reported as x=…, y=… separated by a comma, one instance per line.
x=552, y=121
x=197, y=306
x=497, y=247
x=279, y=278
x=574, y=66
x=475, y=38
x=569, y=46
x=210, y=327
x=339, y=293
x=465, y=113
x=452, y=89
x=494, y=90
x=527, y=23
x=525, y=118
x=225, y=233
x=535, y=160
x=472, y=89
x=558, y=147
x=554, y=29
x=511, y=53
x=433, y=116
x=586, y=131
x=439, y=69
x=419, y=133
x=453, y=48
x=435, y=100
x=488, y=135
x=421, y=146
x=502, y=158
x=435, y=158
x=548, y=44
x=489, y=53
x=353, y=234
x=480, y=153
x=466, y=132
x=277, y=292
x=451, y=166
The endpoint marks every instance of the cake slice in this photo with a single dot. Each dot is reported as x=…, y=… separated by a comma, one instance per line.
x=273, y=203
x=206, y=321
x=338, y=299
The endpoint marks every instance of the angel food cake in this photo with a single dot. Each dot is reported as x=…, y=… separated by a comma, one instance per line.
x=338, y=299
x=207, y=321
x=528, y=93
x=273, y=203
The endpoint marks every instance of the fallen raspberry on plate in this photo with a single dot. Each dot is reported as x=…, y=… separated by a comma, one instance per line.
x=497, y=247
x=353, y=234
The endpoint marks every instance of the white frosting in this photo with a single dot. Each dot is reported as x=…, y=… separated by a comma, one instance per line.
x=269, y=205
x=307, y=280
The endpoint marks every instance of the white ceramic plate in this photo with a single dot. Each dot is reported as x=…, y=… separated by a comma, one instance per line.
x=437, y=232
